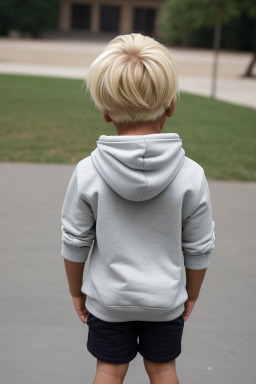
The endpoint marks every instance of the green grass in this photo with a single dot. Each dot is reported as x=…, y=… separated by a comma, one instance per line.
x=49, y=120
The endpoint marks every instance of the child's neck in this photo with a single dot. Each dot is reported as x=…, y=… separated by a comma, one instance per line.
x=144, y=128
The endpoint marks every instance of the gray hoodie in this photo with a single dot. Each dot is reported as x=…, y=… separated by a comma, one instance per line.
x=143, y=209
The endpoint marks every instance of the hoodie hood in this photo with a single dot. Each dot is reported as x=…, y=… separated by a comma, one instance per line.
x=138, y=168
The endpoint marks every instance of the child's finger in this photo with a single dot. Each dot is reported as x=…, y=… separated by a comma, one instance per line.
x=185, y=315
x=84, y=318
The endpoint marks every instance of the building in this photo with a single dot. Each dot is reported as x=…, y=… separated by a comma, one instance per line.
x=110, y=16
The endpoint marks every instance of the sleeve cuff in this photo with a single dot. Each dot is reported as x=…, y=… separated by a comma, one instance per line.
x=77, y=255
x=197, y=262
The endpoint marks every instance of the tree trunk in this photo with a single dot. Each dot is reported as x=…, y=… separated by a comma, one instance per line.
x=184, y=37
x=216, y=47
x=248, y=72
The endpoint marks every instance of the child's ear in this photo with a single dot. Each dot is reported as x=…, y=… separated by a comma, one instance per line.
x=107, y=118
x=170, y=110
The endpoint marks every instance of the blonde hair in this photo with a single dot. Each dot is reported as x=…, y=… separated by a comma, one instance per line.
x=134, y=79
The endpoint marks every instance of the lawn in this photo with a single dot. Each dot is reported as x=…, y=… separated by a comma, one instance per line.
x=49, y=120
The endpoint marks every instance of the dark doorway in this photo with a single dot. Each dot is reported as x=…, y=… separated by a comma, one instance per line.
x=144, y=20
x=109, y=19
x=81, y=16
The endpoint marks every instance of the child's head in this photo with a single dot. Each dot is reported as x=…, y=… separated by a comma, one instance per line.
x=133, y=80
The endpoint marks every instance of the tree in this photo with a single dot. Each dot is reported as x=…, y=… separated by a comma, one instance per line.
x=31, y=16
x=249, y=7
x=179, y=18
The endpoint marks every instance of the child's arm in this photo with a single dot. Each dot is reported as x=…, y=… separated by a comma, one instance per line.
x=197, y=242
x=78, y=233
x=74, y=273
x=194, y=280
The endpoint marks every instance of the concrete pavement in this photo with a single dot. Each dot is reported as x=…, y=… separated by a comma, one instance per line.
x=71, y=59
x=42, y=338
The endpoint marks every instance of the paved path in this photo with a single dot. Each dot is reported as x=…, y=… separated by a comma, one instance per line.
x=71, y=59
x=42, y=338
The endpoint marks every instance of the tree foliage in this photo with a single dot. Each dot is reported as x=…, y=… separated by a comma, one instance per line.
x=31, y=16
x=179, y=18
x=249, y=7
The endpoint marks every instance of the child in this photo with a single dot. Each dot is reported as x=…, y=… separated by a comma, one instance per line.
x=143, y=210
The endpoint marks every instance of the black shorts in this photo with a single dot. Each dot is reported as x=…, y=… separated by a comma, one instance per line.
x=120, y=342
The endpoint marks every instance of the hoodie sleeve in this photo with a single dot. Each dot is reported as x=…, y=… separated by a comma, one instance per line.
x=198, y=232
x=78, y=224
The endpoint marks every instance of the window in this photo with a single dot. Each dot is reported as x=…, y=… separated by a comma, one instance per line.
x=144, y=20
x=81, y=15
x=109, y=19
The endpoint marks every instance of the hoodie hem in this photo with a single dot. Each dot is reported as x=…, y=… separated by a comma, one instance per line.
x=131, y=313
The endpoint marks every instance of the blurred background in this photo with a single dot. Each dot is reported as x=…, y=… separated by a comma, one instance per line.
x=187, y=23
x=48, y=123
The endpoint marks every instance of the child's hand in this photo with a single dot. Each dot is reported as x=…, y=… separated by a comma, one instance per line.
x=79, y=304
x=189, y=305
